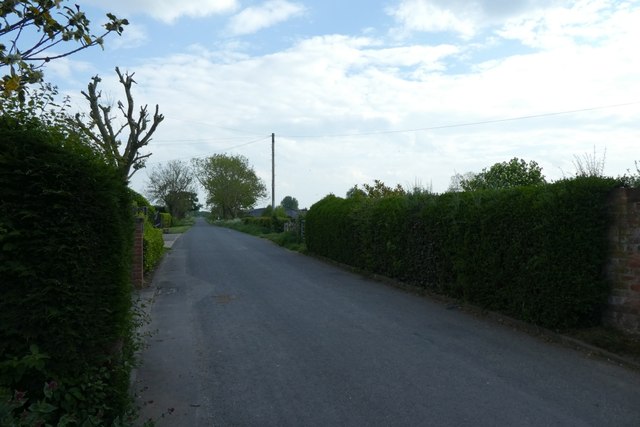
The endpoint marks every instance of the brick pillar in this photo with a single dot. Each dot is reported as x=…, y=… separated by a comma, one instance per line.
x=624, y=261
x=137, y=266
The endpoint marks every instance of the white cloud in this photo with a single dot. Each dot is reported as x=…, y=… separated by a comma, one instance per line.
x=134, y=36
x=167, y=10
x=422, y=15
x=320, y=87
x=256, y=18
x=584, y=21
x=463, y=17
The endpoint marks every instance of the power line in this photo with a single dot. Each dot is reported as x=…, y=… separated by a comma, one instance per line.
x=458, y=125
x=220, y=127
x=197, y=141
x=207, y=155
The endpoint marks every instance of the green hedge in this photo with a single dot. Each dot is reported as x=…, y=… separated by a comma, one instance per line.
x=66, y=228
x=535, y=253
x=153, y=246
x=165, y=220
x=266, y=224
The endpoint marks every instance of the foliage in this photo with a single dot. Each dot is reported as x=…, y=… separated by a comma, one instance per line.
x=289, y=202
x=377, y=190
x=261, y=228
x=152, y=246
x=513, y=173
x=165, y=220
x=537, y=253
x=42, y=109
x=231, y=183
x=31, y=27
x=632, y=179
x=173, y=185
x=65, y=250
x=152, y=241
x=455, y=184
x=106, y=140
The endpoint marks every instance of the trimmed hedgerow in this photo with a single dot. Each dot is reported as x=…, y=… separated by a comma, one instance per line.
x=152, y=246
x=266, y=224
x=66, y=228
x=536, y=253
x=152, y=241
x=165, y=220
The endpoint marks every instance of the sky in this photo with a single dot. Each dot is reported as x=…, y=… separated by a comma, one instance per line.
x=408, y=92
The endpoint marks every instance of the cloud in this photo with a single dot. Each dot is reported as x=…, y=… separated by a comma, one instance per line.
x=167, y=10
x=134, y=36
x=422, y=15
x=256, y=18
x=585, y=21
x=340, y=106
x=462, y=17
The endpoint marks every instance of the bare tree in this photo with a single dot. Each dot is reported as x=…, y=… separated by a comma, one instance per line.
x=173, y=185
x=107, y=139
x=590, y=164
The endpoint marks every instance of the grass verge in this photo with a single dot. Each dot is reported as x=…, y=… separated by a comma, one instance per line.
x=180, y=226
x=287, y=239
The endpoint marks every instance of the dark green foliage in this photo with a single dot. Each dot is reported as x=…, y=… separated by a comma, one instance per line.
x=289, y=203
x=66, y=228
x=267, y=224
x=537, y=253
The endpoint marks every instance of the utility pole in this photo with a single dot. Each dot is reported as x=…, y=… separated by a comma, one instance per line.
x=273, y=170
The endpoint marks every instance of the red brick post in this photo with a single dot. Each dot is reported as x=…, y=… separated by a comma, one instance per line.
x=137, y=266
x=623, y=311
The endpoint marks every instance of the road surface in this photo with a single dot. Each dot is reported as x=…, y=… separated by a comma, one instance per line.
x=250, y=334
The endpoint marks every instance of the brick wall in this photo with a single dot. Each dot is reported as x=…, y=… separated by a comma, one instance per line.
x=623, y=311
x=137, y=266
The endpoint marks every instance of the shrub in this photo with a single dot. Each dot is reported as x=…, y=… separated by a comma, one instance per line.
x=537, y=253
x=152, y=246
x=66, y=228
x=266, y=224
x=165, y=220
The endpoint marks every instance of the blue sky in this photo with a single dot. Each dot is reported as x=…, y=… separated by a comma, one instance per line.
x=362, y=90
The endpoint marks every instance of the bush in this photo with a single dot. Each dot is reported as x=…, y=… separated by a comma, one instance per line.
x=536, y=253
x=165, y=220
x=153, y=246
x=266, y=224
x=66, y=229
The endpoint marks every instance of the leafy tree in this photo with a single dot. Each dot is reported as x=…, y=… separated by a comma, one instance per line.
x=28, y=28
x=231, y=183
x=455, y=185
x=289, y=203
x=173, y=185
x=376, y=191
x=513, y=173
x=106, y=139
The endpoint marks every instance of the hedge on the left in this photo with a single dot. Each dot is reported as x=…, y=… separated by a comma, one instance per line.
x=66, y=225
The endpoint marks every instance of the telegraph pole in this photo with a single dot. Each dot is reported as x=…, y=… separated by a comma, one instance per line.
x=273, y=170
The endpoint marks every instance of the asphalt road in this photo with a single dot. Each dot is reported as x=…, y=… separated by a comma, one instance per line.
x=249, y=334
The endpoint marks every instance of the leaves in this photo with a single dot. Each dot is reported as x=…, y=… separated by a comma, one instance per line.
x=31, y=28
x=513, y=173
x=231, y=184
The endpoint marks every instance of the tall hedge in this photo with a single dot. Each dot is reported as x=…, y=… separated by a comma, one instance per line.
x=537, y=253
x=66, y=226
